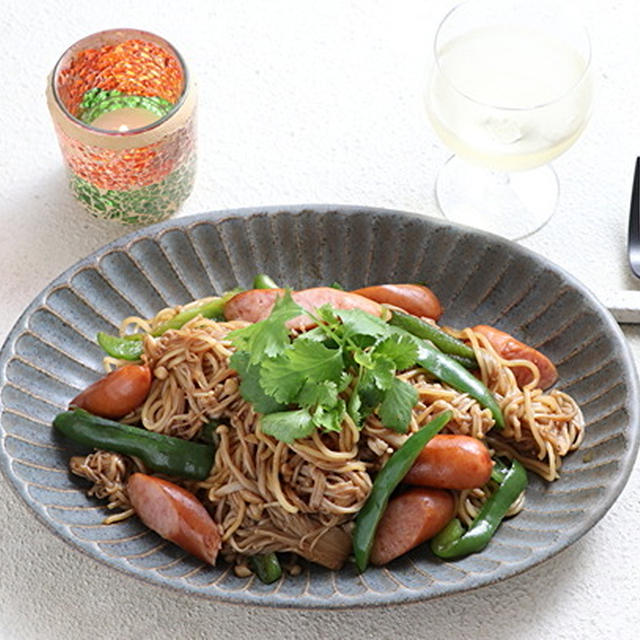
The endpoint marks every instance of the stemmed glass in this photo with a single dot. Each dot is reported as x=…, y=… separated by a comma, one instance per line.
x=511, y=89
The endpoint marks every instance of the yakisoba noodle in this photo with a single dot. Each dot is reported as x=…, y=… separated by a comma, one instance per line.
x=267, y=495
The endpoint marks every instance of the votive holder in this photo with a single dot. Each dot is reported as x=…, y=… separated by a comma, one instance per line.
x=124, y=111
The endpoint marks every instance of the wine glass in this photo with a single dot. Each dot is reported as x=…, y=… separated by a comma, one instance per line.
x=511, y=89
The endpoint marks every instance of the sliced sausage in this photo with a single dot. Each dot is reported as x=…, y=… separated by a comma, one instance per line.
x=409, y=520
x=510, y=348
x=451, y=462
x=415, y=299
x=118, y=393
x=175, y=514
x=255, y=305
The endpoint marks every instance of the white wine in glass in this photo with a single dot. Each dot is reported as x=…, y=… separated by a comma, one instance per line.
x=511, y=90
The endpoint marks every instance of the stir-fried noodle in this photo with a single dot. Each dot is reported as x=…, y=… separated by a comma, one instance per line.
x=267, y=495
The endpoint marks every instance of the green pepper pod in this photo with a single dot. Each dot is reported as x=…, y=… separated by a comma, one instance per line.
x=388, y=478
x=208, y=433
x=124, y=348
x=455, y=375
x=266, y=567
x=499, y=471
x=421, y=329
x=467, y=363
x=130, y=347
x=163, y=454
x=212, y=309
x=454, y=542
x=263, y=281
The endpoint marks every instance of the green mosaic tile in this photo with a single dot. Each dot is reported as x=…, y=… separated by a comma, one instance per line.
x=145, y=205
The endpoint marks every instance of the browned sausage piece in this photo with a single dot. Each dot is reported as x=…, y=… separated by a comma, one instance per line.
x=118, y=393
x=415, y=299
x=175, y=514
x=256, y=304
x=510, y=348
x=253, y=305
x=451, y=462
x=409, y=520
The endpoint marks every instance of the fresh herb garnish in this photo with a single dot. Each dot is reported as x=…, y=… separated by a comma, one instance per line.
x=303, y=361
x=346, y=365
x=270, y=337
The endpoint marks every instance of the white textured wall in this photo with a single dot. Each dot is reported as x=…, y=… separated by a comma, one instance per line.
x=306, y=102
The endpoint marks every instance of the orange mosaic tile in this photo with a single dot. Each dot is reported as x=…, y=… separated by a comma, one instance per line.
x=135, y=67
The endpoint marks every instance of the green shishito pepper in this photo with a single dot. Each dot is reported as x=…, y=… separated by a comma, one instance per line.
x=443, y=341
x=130, y=347
x=499, y=471
x=454, y=542
x=266, y=567
x=388, y=478
x=124, y=348
x=208, y=433
x=455, y=375
x=467, y=363
x=212, y=309
x=263, y=281
x=161, y=453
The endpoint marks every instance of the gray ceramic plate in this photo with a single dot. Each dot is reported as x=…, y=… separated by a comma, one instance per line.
x=51, y=354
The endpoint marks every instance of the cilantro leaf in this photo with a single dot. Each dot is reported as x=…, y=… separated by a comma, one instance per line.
x=361, y=323
x=383, y=372
x=329, y=418
x=364, y=359
x=269, y=337
x=309, y=373
x=354, y=405
x=400, y=349
x=313, y=335
x=288, y=425
x=250, y=388
x=327, y=314
x=324, y=393
x=283, y=377
x=395, y=408
x=365, y=397
x=345, y=381
x=326, y=407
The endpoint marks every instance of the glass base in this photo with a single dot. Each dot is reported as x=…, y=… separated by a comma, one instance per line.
x=512, y=205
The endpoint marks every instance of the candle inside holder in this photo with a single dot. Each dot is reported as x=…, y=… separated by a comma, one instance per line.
x=124, y=119
x=124, y=113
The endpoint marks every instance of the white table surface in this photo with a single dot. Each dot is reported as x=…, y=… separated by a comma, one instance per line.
x=304, y=102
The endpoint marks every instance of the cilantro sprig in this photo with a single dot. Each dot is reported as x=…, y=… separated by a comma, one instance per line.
x=346, y=365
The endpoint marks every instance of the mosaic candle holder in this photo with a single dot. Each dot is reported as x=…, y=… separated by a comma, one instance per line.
x=136, y=174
